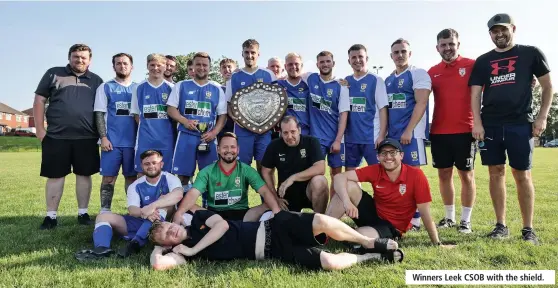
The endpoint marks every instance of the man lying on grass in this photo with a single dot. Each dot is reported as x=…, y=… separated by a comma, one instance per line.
x=291, y=237
x=149, y=197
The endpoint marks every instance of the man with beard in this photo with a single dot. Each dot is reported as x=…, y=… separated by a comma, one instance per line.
x=297, y=91
x=368, y=112
x=149, y=99
x=226, y=67
x=408, y=88
x=301, y=167
x=452, y=123
x=196, y=104
x=253, y=144
x=117, y=128
x=505, y=123
x=70, y=144
x=329, y=109
x=171, y=68
x=290, y=237
x=149, y=197
x=399, y=189
x=226, y=183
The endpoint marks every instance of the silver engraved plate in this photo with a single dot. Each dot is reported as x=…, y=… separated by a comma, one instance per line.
x=259, y=107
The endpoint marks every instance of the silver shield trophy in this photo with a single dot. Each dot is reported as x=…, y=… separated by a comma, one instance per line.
x=259, y=107
x=204, y=127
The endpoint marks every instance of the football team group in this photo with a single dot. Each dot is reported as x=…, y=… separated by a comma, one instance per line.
x=160, y=134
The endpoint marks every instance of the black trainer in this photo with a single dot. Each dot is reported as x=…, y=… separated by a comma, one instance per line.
x=131, y=247
x=446, y=223
x=529, y=235
x=84, y=219
x=414, y=228
x=499, y=232
x=48, y=223
x=464, y=227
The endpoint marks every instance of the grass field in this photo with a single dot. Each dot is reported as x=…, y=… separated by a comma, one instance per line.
x=18, y=144
x=30, y=257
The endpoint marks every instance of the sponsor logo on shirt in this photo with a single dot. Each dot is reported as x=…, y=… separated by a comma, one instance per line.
x=320, y=103
x=358, y=104
x=507, y=66
x=297, y=104
x=397, y=101
x=122, y=108
x=402, y=188
x=197, y=108
x=155, y=111
x=226, y=198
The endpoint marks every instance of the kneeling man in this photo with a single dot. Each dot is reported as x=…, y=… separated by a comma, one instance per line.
x=289, y=237
x=226, y=183
x=399, y=189
x=301, y=168
x=149, y=197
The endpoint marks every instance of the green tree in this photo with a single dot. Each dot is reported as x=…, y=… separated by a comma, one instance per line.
x=551, y=131
x=182, y=70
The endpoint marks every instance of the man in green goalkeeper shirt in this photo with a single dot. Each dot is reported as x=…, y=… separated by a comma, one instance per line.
x=226, y=183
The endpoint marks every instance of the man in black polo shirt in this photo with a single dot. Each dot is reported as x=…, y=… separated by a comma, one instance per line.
x=70, y=143
x=301, y=168
x=506, y=122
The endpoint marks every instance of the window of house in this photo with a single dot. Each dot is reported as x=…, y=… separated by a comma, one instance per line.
x=18, y=118
x=8, y=116
x=1, y=114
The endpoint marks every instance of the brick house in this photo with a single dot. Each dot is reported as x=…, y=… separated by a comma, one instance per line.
x=31, y=117
x=11, y=118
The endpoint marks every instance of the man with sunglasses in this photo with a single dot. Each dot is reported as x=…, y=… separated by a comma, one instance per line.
x=399, y=189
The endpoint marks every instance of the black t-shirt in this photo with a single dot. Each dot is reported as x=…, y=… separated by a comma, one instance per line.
x=291, y=160
x=239, y=242
x=71, y=99
x=506, y=78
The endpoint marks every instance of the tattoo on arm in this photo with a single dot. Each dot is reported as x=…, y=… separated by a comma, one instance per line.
x=100, y=121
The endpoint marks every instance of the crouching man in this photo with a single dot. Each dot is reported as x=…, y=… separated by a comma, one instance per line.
x=149, y=197
x=291, y=237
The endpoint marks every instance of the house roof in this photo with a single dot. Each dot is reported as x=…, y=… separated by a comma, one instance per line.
x=7, y=109
x=28, y=111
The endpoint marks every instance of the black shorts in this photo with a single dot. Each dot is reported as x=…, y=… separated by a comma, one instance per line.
x=293, y=240
x=368, y=216
x=61, y=157
x=233, y=215
x=450, y=150
x=296, y=196
x=515, y=140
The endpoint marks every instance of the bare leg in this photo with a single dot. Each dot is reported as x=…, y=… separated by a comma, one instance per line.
x=83, y=191
x=116, y=221
x=525, y=195
x=498, y=191
x=447, y=190
x=468, y=188
x=317, y=192
x=128, y=181
x=345, y=260
x=333, y=172
x=53, y=192
x=107, y=192
x=336, y=208
x=184, y=179
x=340, y=231
x=254, y=213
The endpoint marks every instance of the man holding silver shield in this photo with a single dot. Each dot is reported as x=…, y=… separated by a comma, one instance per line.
x=196, y=104
x=253, y=144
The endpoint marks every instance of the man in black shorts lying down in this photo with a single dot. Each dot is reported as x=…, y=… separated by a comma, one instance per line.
x=291, y=237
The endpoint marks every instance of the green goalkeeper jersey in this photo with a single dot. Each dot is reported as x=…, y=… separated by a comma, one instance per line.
x=228, y=190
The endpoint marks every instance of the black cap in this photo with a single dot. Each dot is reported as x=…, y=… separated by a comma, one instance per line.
x=390, y=142
x=500, y=19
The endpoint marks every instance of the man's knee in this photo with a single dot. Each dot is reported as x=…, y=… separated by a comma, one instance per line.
x=354, y=191
x=445, y=174
x=54, y=181
x=108, y=180
x=521, y=175
x=106, y=217
x=318, y=186
x=497, y=171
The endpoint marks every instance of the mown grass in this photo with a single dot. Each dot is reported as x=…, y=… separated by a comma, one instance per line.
x=19, y=144
x=32, y=258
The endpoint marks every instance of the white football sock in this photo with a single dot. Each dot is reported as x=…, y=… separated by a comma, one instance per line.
x=450, y=212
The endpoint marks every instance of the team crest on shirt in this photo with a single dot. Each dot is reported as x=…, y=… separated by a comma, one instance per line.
x=259, y=80
x=302, y=153
x=329, y=92
x=414, y=155
x=165, y=96
x=401, y=81
x=237, y=182
x=362, y=87
x=402, y=188
x=208, y=94
x=462, y=72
